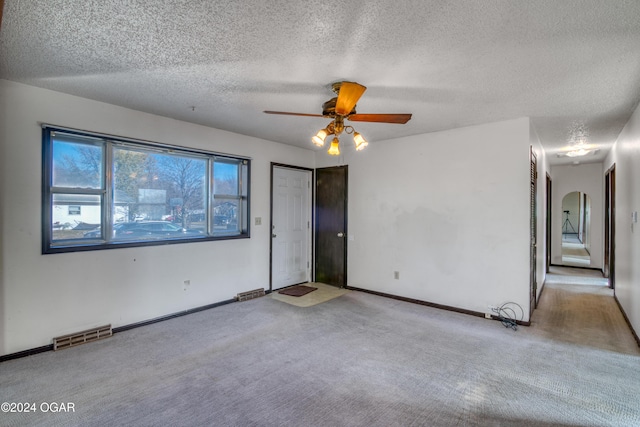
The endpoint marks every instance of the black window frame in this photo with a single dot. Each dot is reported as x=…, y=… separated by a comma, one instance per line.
x=107, y=202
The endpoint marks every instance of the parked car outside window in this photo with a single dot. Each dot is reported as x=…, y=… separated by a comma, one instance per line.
x=145, y=230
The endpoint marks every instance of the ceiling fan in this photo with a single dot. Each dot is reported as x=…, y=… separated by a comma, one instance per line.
x=342, y=107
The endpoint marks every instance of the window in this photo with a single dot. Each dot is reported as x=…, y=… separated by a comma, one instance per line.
x=102, y=192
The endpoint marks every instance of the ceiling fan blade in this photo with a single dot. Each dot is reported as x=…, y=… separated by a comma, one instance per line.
x=294, y=114
x=348, y=96
x=381, y=118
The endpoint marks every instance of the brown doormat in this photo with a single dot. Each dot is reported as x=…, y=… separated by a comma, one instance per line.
x=297, y=291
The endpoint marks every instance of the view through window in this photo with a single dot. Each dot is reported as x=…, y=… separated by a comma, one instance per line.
x=101, y=191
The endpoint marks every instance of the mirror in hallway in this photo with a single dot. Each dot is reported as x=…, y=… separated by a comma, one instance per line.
x=576, y=229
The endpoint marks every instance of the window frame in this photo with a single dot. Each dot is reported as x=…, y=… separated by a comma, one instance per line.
x=108, y=144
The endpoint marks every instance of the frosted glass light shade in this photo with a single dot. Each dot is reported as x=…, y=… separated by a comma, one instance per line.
x=334, y=149
x=319, y=138
x=359, y=141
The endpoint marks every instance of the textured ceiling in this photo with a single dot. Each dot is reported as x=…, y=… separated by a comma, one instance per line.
x=572, y=66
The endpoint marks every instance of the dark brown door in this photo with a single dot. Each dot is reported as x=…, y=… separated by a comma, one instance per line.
x=610, y=226
x=548, y=228
x=331, y=226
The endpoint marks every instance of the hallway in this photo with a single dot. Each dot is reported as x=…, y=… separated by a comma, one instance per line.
x=577, y=307
x=574, y=252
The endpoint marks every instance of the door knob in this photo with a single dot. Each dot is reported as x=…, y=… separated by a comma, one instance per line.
x=340, y=234
x=273, y=235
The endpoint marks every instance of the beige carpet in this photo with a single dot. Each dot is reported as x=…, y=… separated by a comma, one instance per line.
x=574, y=249
x=578, y=307
x=357, y=360
x=575, y=254
x=324, y=293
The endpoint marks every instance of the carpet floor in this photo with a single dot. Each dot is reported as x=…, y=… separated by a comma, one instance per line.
x=575, y=254
x=355, y=360
x=577, y=307
x=574, y=250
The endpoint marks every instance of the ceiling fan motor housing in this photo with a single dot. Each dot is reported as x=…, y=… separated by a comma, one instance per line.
x=329, y=108
x=343, y=106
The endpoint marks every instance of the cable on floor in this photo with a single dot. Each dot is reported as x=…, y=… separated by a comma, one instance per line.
x=507, y=313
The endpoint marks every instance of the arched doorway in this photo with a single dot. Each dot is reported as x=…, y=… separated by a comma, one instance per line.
x=576, y=229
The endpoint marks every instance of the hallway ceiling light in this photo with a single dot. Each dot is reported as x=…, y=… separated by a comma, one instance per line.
x=577, y=153
x=579, y=150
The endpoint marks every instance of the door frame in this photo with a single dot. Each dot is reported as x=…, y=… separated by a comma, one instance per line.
x=311, y=218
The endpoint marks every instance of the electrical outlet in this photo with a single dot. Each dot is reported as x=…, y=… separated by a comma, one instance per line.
x=186, y=284
x=396, y=275
x=258, y=220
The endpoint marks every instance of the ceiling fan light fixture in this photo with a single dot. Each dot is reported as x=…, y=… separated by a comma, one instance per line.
x=343, y=107
x=334, y=149
x=319, y=138
x=359, y=140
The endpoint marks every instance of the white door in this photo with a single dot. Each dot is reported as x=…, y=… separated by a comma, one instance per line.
x=290, y=227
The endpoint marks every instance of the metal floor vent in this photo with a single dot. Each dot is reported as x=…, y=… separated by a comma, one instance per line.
x=256, y=293
x=78, y=338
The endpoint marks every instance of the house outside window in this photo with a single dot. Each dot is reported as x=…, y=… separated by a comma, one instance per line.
x=101, y=192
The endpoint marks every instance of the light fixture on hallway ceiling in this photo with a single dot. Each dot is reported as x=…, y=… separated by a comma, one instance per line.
x=342, y=107
x=577, y=153
x=577, y=145
x=579, y=150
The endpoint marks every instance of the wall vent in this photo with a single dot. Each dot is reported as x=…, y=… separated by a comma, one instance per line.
x=243, y=296
x=78, y=338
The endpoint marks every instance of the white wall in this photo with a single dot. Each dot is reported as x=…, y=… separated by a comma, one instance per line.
x=448, y=210
x=585, y=178
x=43, y=296
x=626, y=157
